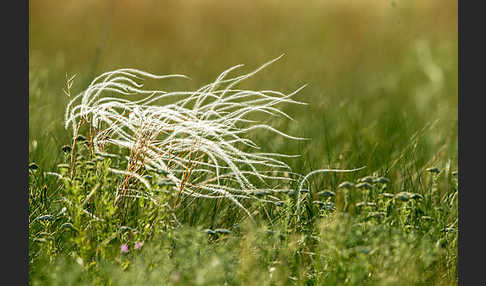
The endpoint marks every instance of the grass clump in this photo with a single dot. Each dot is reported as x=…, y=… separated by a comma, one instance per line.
x=198, y=142
x=103, y=212
x=195, y=141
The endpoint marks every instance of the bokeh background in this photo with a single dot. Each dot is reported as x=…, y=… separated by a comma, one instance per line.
x=382, y=92
x=382, y=74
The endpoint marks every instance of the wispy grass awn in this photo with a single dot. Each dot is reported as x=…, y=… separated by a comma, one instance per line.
x=198, y=141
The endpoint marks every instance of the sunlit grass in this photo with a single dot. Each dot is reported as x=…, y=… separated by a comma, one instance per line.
x=381, y=92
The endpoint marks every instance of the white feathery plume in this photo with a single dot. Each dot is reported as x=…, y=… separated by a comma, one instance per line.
x=200, y=135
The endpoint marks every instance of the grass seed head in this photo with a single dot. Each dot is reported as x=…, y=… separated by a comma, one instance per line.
x=327, y=193
x=346, y=185
x=222, y=230
x=388, y=195
x=404, y=196
x=366, y=186
x=210, y=231
x=382, y=180
x=433, y=170
x=367, y=179
x=198, y=139
x=66, y=148
x=33, y=166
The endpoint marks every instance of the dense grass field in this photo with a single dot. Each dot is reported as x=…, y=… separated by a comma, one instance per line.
x=382, y=93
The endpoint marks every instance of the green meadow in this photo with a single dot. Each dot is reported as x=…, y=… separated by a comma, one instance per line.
x=382, y=90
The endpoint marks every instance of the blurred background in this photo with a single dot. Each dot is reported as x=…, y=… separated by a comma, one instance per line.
x=382, y=74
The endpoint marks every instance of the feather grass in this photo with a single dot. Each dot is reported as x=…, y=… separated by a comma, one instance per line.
x=198, y=140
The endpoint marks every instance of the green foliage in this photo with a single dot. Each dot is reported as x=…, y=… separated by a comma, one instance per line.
x=379, y=97
x=374, y=236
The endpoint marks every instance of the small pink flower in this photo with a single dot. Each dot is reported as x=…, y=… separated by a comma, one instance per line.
x=138, y=245
x=124, y=248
